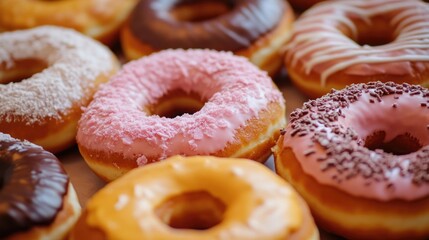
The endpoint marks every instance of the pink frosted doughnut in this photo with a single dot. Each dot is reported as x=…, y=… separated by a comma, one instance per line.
x=360, y=158
x=177, y=102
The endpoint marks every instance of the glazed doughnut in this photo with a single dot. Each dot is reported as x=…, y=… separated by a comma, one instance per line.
x=197, y=198
x=256, y=29
x=337, y=43
x=60, y=70
x=99, y=19
x=360, y=159
x=186, y=102
x=36, y=197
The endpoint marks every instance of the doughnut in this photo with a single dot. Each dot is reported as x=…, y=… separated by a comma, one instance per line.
x=37, y=199
x=197, y=197
x=337, y=43
x=181, y=102
x=99, y=19
x=47, y=74
x=256, y=29
x=360, y=158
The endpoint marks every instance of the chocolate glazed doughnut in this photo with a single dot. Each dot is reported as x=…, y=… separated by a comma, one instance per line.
x=151, y=25
x=34, y=193
x=242, y=26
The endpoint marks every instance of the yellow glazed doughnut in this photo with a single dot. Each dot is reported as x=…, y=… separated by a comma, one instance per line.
x=99, y=19
x=196, y=198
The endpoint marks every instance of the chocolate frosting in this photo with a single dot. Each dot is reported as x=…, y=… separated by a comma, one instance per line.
x=153, y=24
x=32, y=186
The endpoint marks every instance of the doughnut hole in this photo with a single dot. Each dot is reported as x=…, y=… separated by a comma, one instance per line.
x=21, y=70
x=377, y=32
x=198, y=11
x=400, y=145
x=198, y=210
x=397, y=124
x=176, y=103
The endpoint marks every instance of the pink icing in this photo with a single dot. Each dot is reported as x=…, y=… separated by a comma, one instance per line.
x=236, y=92
x=365, y=118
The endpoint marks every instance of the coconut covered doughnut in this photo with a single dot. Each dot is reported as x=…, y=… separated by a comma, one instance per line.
x=46, y=75
x=337, y=43
x=360, y=159
x=187, y=102
x=99, y=19
x=36, y=197
x=197, y=198
x=256, y=29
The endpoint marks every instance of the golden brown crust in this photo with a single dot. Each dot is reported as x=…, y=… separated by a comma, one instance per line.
x=54, y=135
x=61, y=226
x=311, y=86
x=266, y=52
x=255, y=140
x=99, y=20
x=332, y=208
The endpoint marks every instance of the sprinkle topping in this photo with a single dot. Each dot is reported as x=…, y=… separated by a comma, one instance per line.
x=334, y=129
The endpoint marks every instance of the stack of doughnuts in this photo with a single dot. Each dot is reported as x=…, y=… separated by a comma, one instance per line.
x=256, y=29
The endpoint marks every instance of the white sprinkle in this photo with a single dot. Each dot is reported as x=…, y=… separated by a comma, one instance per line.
x=122, y=201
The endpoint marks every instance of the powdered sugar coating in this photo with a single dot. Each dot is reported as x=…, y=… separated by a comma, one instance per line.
x=74, y=61
x=235, y=91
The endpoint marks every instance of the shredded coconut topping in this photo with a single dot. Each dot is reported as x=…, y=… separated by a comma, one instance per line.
x=74, y=62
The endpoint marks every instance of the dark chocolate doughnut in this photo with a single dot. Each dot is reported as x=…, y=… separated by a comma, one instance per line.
x=248, y=20
x=256, y=29
x=33, y=186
